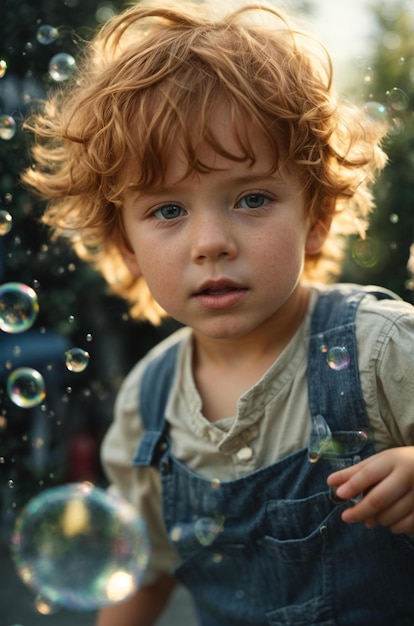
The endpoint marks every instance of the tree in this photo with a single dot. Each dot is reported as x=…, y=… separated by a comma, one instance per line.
x=388, y=92
x=74, y=302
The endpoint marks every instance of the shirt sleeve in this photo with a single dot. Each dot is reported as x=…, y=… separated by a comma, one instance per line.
x=385, y=336
x=140, y=486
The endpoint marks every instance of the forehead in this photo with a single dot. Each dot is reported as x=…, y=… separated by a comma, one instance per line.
x=225, y=142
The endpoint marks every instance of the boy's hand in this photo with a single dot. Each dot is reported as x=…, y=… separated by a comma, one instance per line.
x=386, y=481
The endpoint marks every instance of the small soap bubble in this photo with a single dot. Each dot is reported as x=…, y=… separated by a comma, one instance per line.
x=397, y=99
x=76, y=359
x=175, y=533
x=8, y=127
x=3, y=68
x=80, y=547
x=47, y=34
x=368, y=75
x=44, y=606
x=18, y=307
x=207, y=529
x=26, y=387
x=338, y=358
x=376, y=111
x=62, y=66
x=394, y=218
x=365, y=252
x=320, y=438
x=6, y=222
x=104, y=12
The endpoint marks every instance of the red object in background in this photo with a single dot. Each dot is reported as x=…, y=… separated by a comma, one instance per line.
x=82, y=458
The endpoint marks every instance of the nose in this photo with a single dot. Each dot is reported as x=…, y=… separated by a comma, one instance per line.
x=213, y=239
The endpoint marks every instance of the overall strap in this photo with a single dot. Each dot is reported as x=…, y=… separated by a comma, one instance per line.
x=154, y=393
x=335, y=396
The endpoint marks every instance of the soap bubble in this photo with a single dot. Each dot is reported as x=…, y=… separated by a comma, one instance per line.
x=338, y=358
x=26, y=387
x=207, y=529
x=80, y=547
x=6, y=222
x=368, y=75
x=44, y=606
x=397, y=99
x=18, y=307
x=8, y=127
x=62, y=66
x=76, y=359
x=3, y=68
x=377, y=111
x=47, y=34
x=365, y=252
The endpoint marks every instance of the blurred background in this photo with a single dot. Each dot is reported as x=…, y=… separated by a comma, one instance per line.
x=57, y=440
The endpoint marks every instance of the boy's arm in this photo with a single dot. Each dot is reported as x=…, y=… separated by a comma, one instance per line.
x=143, y=608
x=386, y=481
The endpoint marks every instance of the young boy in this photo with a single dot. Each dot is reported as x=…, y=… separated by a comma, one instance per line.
x=203, y=163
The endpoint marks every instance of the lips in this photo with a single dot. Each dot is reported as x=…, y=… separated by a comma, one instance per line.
x=220, y=294
x=217, y=292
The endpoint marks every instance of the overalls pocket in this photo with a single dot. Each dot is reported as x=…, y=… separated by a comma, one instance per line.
x=298, y=561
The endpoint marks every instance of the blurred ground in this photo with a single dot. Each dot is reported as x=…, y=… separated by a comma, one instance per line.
x=17, y=604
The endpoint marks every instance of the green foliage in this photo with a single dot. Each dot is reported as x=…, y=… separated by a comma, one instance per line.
x=388, y=77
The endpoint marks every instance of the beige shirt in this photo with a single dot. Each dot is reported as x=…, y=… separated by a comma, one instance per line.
x=272, y=418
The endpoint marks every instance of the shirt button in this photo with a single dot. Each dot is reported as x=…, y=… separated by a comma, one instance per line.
x=244, y=454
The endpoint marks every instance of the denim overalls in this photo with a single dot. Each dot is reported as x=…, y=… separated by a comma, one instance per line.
x=270, y=548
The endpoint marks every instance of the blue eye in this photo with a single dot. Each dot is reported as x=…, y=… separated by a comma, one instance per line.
x=253, y=201
x=169, y=212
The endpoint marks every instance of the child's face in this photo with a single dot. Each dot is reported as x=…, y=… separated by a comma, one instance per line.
x=223, y=251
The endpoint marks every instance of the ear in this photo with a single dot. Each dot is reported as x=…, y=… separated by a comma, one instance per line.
x=129, y=258
x=319, y=230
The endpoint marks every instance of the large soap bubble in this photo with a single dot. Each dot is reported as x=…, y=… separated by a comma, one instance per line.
x=80, y=547
x=26, y=387
x=19, y=307
x=62, y=66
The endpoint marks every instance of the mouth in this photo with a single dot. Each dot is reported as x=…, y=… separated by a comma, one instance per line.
x=210, y=291
x=220, y=294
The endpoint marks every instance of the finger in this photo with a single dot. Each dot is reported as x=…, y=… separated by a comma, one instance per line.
x=341, y=476
x=405, y=525
x=344, y=474
x=398, y=511
x=375, y=502
x=365, y=476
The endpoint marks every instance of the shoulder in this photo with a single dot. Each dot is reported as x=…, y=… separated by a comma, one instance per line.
x=337, y=304
x=385, y=320
x=385, y=339
x=385, y=334
x=126, y=428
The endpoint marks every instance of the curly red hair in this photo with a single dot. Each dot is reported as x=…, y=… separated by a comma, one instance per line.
x=153, y=76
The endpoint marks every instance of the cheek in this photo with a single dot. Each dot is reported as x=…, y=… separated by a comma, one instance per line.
x=284, y=251
x=160, y=274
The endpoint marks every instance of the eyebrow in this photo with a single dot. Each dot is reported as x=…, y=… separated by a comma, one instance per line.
x=246, y=179
x=236, y=180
